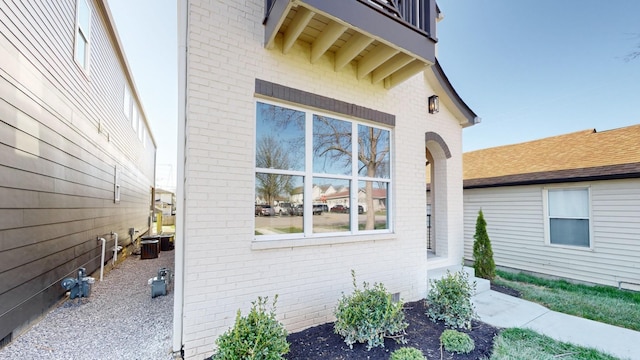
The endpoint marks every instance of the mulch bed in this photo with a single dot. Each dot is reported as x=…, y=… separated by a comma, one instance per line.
x=320, y=342
x=505, y=290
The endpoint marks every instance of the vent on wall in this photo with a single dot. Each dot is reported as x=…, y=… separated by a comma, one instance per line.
x=395, y=297
x=5, y=340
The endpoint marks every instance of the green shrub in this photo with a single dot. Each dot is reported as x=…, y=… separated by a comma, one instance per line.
x=457, y=342
x=407, y=353
x=483, y=264
x=369, y=315
x=449, y=300
x=258, y=336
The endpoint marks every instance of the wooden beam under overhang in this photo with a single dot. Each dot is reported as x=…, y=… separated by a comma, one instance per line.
x=296, y=27
x=394, y=64
x=405, y=73
x=329, y=35
x=354, y=46
x=274, y=21
x=374, y=59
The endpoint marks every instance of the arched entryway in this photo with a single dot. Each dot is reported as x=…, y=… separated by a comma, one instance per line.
x=436, y=152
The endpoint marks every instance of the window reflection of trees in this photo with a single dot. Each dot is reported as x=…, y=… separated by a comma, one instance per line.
x=331, y=145
x=271, y=155
x=281, y=146
x=286, y=127
x=373, y=157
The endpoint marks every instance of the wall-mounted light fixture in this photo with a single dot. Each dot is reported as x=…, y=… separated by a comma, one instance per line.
x=434, y=104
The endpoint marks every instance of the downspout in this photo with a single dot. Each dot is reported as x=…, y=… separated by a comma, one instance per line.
x=179, y=240
x=104, y=249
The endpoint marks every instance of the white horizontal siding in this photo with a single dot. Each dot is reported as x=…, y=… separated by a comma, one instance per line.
x=513, y=216
x=515, y=223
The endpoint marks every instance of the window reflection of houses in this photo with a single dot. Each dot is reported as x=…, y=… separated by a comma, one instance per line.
x=319, y=193
x=342, y=198
x=297, y=195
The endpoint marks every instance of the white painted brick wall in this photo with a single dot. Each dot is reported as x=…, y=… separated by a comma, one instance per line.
x=222, y=272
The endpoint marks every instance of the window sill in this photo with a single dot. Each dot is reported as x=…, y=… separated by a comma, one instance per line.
x=571, y=247
x=319, y=241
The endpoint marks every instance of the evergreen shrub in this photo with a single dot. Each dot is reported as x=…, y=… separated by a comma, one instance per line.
x=369, y=315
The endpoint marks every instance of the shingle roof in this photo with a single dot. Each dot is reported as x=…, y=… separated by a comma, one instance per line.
x=377, y=194
x=577, y=156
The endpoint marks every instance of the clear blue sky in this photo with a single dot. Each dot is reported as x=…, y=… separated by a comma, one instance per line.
x=533, y=69
x=148, y=32
x=530, y=69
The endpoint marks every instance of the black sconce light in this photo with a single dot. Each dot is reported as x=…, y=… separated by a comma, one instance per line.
x=434, y=104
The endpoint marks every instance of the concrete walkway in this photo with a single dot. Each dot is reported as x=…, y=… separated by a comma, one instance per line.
x=507, y=311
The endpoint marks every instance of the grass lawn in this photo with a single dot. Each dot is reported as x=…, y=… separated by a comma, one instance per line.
x=600, y=303
x=516, y=344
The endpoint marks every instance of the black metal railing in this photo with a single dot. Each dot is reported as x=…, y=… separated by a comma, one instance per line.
x=429, y=247
x=412, y=12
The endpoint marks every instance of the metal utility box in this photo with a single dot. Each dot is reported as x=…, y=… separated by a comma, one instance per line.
x=79, y=287
x=149, y=247
x=160, y=284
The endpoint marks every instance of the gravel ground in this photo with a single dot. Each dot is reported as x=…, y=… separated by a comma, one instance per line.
x=119, y=320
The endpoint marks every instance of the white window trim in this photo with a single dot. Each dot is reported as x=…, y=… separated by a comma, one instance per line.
x=308, y=237
x=134, y=117
x=547, y=226
x=140, y=127
x=127, y=102
x=85, y=33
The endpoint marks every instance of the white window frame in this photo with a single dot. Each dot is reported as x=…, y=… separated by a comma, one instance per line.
x=547, y=218
x=134, y=117
x=82, y=34
x=308, y=176
x=126, y=106
x=140, y=127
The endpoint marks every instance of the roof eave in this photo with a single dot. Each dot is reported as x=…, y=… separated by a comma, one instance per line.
x=448, y=95
x=599, y=173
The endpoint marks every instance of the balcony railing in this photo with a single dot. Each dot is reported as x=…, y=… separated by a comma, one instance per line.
x=412, y=12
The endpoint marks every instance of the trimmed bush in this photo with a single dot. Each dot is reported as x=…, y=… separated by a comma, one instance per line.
x=457, y=342
x=483, y=264
x=407, y=353
x=258, y=336
x=449, y=300
x=369, y=315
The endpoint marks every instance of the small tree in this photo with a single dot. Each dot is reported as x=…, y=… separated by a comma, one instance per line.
x=482, y=252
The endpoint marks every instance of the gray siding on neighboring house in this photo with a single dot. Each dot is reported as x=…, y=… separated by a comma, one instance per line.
x=63, y=134
x=515, y=223
x=514, y=217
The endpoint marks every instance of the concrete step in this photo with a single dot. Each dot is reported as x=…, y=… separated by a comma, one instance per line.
x=482, y=285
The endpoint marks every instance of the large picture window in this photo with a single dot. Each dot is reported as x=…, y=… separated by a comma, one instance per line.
x=319, y=175
x=568, y=217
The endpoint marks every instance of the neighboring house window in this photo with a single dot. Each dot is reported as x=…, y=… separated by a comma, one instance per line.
x=568, y=212
x=144, y=140
x=140, y=128
x=127, y=102
x=134, y=118
x=83, y=26
x=302, y=156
